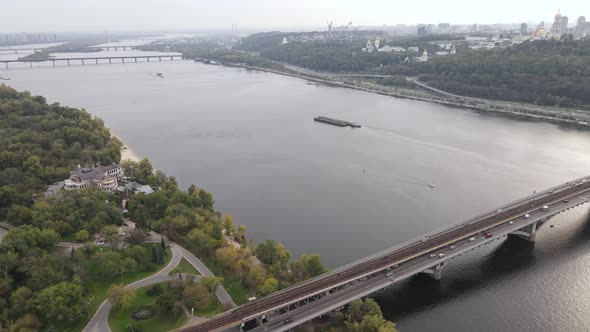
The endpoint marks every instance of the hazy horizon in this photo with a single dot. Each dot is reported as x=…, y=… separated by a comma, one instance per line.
x=157, y=15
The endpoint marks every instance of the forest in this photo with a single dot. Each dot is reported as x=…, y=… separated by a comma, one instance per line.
x=45, y=282
x=543, y=72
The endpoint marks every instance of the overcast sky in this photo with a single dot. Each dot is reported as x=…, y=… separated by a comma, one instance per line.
x=100, y=15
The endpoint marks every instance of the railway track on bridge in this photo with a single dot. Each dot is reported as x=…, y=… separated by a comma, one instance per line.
x=308, y=289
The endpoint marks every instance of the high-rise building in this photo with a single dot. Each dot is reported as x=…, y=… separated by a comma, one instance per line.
x=444, y=27
x=564, y=22
x=524, y=29
x=422, y=31
x=581, y=26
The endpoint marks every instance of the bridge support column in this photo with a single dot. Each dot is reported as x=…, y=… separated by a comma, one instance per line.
x=529, y=232
x=96, y=60
x=53, y=63
x=135, y=59
x=68, y=62
x=31, y=64
x=82, y=62
x=110, y=60
x=123, y=60
x=435, y=272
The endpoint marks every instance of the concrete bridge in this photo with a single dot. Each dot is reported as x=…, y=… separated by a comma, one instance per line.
x=97, y=60
x=427, y=254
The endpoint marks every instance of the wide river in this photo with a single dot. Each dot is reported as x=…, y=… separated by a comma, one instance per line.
x=249, y=138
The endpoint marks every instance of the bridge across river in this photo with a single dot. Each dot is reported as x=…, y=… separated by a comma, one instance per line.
x=428, y=254
x=97, y=60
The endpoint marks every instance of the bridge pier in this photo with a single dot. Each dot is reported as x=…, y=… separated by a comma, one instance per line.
x=53, y=62
x=529, y=232
x=96, y=60
x=110, y=60
x=135, y=59
x=82, y=62
x=435, y=272
x=68, y=62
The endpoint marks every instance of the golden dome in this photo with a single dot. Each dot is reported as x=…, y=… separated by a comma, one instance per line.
x=558, y=13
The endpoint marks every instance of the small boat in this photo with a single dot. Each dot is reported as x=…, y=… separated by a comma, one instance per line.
x=431, y=185
x=160, y=75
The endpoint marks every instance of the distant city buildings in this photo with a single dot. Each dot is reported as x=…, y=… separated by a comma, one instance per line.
x=524, y=29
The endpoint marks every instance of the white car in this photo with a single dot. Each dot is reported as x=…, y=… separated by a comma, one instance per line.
x=426, y=238
x=441, y=255
x=471, y=239
x=499, y=211
x=432, y=255
x=526, y=216
x=100, y=243
x=511, y=222
x=452, y=247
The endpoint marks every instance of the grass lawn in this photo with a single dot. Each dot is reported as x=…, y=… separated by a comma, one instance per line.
x=187, y=267
x=98, y=291
x=162, y=322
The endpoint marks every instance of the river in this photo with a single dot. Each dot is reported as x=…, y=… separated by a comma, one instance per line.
x=249, y=138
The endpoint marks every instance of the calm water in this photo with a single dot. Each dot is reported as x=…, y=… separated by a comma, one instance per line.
x=249, y=138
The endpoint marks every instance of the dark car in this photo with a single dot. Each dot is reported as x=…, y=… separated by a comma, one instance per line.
x=288, y=320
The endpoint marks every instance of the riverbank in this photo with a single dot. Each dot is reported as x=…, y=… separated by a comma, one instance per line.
x=425, y=93
x=127, y=153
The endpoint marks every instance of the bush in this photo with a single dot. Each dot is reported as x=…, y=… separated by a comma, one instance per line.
x=154, y=290
x=82, y=236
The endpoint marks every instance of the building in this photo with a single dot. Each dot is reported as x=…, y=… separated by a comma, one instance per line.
x=424, y=57
x=564, y=23
x=581, y=27
x=103, y=177
x=422, y=31
x=557, y=29
x=524, y=29
x=444, y=28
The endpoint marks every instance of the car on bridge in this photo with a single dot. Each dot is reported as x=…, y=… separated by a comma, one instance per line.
x=526, y=216
x=471, y=239
x=545, y=207
x=487, y=235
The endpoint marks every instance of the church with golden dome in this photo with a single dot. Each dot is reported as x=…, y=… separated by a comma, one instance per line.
x=559, y=27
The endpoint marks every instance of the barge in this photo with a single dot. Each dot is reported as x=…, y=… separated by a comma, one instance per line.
x=336, y=122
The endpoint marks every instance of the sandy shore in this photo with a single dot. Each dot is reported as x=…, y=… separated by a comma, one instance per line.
x=127, y=153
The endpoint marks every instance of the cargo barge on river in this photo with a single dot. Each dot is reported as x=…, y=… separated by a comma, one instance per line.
x=336, y=122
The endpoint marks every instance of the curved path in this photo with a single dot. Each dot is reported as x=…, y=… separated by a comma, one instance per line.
x=100, y=320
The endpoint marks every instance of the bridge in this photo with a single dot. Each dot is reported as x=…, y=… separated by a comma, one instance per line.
x=292, y=306
x=96, y=60
x=98, y=47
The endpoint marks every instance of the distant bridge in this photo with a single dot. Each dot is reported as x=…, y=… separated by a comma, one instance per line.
x=96, y=60
x=98, y=47
x=293, y=306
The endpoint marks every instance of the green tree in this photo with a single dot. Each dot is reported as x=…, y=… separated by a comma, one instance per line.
x=196, y=296
x=211, y=282
x=270, y=285
x=120, y=296
x=63, y=302
x=82, y=236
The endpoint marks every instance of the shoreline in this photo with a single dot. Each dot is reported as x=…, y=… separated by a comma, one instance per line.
x=126, y=152
x=456, y=101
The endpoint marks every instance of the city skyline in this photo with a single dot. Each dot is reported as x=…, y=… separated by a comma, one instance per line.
x=133, y=15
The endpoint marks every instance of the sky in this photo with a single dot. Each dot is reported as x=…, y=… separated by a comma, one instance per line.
x=115, y=15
